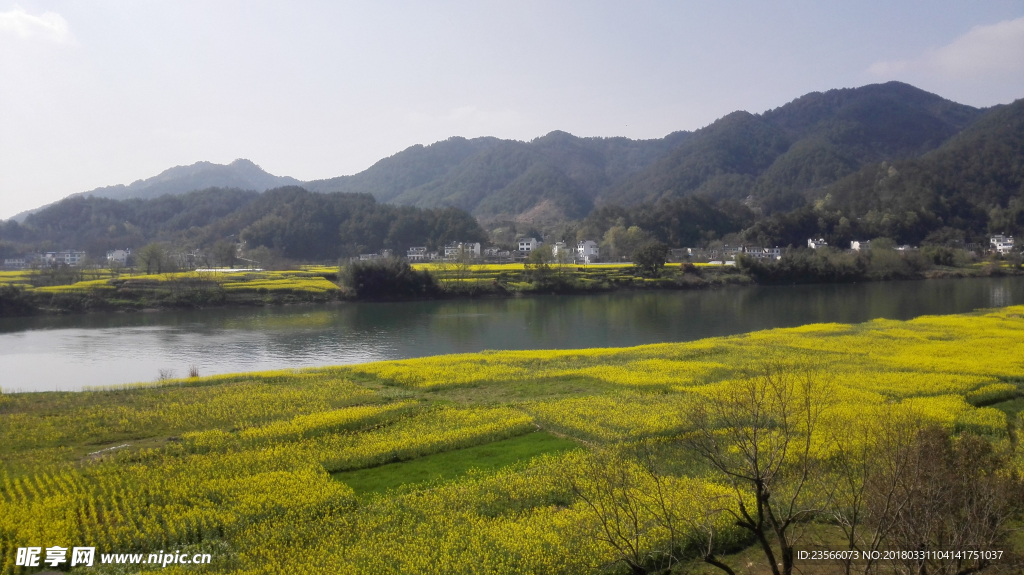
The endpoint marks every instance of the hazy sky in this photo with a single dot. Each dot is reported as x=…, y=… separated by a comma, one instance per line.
x=100, y=92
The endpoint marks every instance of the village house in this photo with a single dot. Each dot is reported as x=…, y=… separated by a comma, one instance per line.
x=118, y=256
x=1001, y=244
x=527, y=245
x=730, y=252
x=416, y=254
x=66, y=257
x=816, y=243
x=18, y=263
x=860, y=245
x=381, y=255
x=455, y=250
x=587, y=251
x=563, y=253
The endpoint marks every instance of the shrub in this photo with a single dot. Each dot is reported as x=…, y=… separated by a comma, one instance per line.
x=386, y=278
x=15, y=301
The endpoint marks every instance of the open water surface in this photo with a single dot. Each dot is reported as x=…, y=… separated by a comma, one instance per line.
x=71, y=352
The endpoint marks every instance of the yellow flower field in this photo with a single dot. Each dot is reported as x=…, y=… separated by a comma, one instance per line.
x=240, y=465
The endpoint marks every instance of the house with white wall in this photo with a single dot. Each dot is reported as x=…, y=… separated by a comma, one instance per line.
x=587, y=251
x=118, y=256
x=1001, y=244
x=527, y=245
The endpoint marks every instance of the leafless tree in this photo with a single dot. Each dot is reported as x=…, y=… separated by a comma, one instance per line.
x=872, y=455
x=959, y=495
x=763, y=434
x=612, y=495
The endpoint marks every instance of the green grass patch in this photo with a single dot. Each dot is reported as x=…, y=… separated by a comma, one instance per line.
x=1011, y=408
x=453, y=464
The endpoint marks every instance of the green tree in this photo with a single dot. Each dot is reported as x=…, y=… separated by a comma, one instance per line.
x=155, y=258
x=650, y=259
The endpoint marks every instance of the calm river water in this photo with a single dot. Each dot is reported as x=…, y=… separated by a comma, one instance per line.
x=68, y=353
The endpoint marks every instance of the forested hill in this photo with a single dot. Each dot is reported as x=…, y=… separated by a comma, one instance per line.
x=971, y=186
x=301, y=225
x=786, y=154
x=556, y=176
x=778, y=159
x=240, y=174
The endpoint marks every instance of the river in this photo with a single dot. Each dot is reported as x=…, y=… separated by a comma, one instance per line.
x=68, y=353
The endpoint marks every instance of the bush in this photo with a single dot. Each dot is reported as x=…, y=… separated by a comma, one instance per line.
x=386, y=279
x=15, y=301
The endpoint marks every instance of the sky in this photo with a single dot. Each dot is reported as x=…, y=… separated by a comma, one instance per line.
x=104, y=92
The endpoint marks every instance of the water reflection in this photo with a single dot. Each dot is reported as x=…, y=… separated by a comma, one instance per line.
x=101, y=349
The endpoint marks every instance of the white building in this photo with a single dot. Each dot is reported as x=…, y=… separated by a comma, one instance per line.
x=816, y=243
x=455, y=250
x=15, y=263
x=587, y=251
x=858, y=246
x=1002, y=244
x=527, y=245
x=562, y=252
x=118, y=256
x=66, y=257
x=773, y=253
x=416, y=254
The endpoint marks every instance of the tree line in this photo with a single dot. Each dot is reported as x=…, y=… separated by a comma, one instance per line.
x=292, y=222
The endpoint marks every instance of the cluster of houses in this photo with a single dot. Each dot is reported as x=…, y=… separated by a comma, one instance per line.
x=724, y=254
x=1000, y=244
x=65, y=257
x=73, y=258
x=584, y=252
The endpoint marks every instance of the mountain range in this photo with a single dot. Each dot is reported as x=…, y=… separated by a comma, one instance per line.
x=881, y=160
x=775, y=160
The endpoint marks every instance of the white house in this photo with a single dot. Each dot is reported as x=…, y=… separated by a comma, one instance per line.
x=15, y=263
x=816, y=243
x=773, y=253
x=67, y=257
x=1002, y=244
x=416, y=254
x=587, y=251
x=562, y=252
x=527, y=245
x=858, y=246
x=118, y=256
x=456, y=249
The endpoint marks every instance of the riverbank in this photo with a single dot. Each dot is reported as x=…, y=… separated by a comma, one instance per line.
x=101, y=291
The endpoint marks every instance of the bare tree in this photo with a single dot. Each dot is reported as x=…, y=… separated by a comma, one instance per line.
x=695, y=529
x=959, y=500
x=610, y=489
x=763, y=434
x=872, y=456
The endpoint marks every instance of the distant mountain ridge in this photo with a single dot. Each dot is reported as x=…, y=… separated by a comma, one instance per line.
x=240, y=174
x=776, y=160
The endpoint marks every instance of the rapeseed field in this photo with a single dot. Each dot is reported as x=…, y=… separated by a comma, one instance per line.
x=239, y=466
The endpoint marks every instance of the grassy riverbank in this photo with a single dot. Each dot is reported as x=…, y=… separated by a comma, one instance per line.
x=240, y=466
x=31, y=292
x=22, y=294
